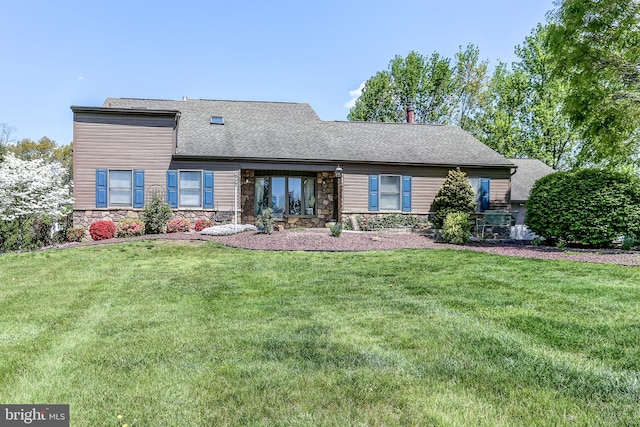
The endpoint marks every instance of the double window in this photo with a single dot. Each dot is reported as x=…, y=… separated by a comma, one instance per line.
x=190, y=189
x=390, y=193
x=119, y=188
x=286, y=195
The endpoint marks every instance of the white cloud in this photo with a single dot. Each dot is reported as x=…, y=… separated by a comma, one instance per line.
x=80, y=78
x=354, y=94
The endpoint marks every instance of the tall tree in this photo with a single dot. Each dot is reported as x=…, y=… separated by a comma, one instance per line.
x=470, y=80
x=48, y=150
x=425, y=83
x=597, y=46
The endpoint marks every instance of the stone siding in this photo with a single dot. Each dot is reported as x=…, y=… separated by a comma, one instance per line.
x=85, y=218
x=325, y=205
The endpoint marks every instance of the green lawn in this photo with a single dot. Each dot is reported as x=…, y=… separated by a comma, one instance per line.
x=184, y=334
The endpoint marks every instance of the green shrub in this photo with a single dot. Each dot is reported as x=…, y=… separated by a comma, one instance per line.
x=336, y=229
x=178, y=225
x=587, y=206
x=156, y=215
x=456, y=228
x=75, y=234
x=129, y=227
x=265, y=221
x=455, y=195
x=381, y=222
x=629, y=243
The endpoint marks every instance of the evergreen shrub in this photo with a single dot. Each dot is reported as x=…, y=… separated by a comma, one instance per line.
x=455, y=195
x=156, y=215
x=588, y=206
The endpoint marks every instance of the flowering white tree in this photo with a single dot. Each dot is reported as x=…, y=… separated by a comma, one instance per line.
x=31, y=188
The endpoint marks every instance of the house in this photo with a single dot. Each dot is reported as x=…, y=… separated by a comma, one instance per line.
x=217, y=159
x=527, y=173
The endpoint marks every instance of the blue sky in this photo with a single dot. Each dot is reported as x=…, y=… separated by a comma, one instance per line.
x=62, y=53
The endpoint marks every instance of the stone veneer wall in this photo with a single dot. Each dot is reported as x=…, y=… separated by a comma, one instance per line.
x=85, y=218
x=325, y=202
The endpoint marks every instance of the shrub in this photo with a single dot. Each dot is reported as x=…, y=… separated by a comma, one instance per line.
x=178, y=225
x=75, y=234
x=156, y=215
x=456, y=228
x=265, y=221
x=102, y=230
x=587, y=206
x=203, y=223
x=336, y=229
x=455, y=195
x=628, y=243
x=394, y=220
x=129, y=228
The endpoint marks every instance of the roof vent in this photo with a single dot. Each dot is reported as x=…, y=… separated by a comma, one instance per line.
x=217, y=120
x=184, y=98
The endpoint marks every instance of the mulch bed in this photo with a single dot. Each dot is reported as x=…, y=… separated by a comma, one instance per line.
x=321, y=240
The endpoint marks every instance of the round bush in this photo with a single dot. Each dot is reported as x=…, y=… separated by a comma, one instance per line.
x=129, y=228
x=102, y=230
x=178, y=225
x=587, y=206
x=456, y=228
x=203, y=223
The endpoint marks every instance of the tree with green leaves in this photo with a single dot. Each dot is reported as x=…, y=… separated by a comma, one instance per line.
x=424, y=83
x=596, y=44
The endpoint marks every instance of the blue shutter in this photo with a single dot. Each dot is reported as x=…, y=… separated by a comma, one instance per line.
x=373, y=193
x=485, y=192
x=172, y=189
x=208, y=189
x=101, y=188
x=138, y=188
x=406, y=194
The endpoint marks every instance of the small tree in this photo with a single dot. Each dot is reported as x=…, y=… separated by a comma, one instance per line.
x=156, y=215
x=29, y=189
x=455, y=195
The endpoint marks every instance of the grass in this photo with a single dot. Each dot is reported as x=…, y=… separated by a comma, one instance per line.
x=199, y=334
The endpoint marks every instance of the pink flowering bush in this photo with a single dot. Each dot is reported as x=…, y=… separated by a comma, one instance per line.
x=102, y=230
x=129, y=228
x=178, y=225
x=203, y=223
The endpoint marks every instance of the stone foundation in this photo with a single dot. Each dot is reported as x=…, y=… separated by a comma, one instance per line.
x=85, y=218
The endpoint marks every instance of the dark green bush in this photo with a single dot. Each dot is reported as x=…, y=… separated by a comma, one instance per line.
x=587, y=206
x=455, y=195
x=156, y=215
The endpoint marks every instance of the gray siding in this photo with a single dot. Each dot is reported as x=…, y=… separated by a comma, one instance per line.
x=119, y=142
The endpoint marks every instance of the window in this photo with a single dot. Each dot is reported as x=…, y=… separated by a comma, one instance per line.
x=119, y=188
x=217, y=120
x=293, y=196
x=390, y=193
x=190, y=189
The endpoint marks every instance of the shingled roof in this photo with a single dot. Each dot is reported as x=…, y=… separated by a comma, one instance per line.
x=528, y=172
x=283, y=131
